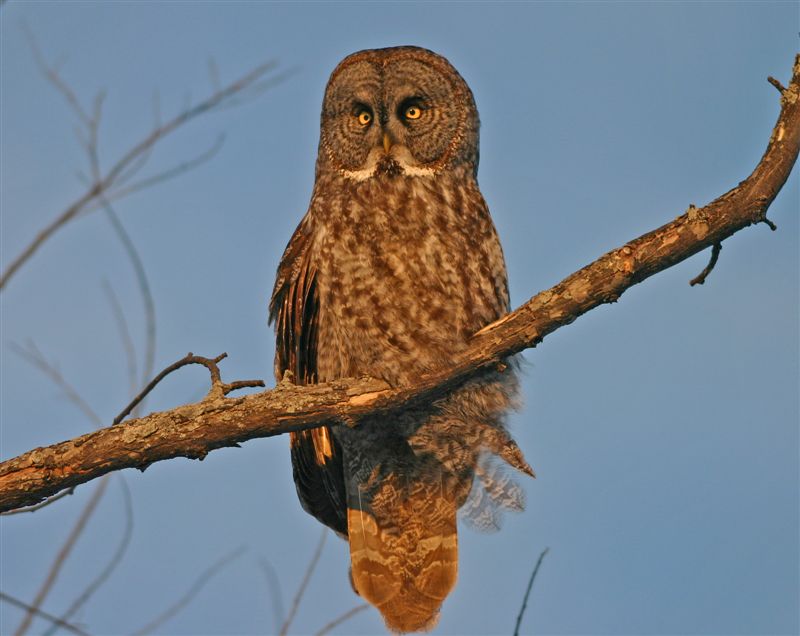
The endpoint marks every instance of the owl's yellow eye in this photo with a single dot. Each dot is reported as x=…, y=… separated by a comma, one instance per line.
x=364, y=117
x=412, y=112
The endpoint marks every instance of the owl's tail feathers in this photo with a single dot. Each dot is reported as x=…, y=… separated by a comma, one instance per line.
x=408, y=570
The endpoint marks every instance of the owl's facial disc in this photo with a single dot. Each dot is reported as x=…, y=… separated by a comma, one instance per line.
x=388, y=113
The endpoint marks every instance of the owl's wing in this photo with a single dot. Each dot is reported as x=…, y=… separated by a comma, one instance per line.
x=294, y=308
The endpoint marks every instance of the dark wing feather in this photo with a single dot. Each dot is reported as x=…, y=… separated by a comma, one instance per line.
x=294, y=308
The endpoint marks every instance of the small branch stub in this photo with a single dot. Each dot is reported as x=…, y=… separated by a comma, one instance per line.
x=776, y=83
x=701, y=277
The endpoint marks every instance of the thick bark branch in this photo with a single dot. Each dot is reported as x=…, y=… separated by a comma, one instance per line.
x=195, y=429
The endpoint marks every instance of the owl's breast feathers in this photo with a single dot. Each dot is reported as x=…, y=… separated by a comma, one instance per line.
x=408, y=270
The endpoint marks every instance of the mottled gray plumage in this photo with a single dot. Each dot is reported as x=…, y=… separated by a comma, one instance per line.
x=392, y=270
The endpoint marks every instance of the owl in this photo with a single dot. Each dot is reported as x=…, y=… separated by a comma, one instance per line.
x=395, y=266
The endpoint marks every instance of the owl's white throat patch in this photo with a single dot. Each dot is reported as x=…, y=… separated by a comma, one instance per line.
x=367, y=173
x=395, y=164
x=418, y=171
x=359, y=175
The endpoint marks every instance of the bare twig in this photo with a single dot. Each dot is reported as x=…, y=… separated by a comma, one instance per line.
x=276, y=597
x=193, y=590
x=40, y=505
x=218, y=387
x=134, y=157
x=126, y=175
x=52, y=75
x=124, y=336
x=194, y=430
x=304, y=583
x=342, y=618
x=62, y=555
x=123, y=190
x=115, y=560
x=33, y=356
x=38, y=612
x=144, y=289
x=256, y=89
x=92, y=128
x=528, y=591
x=701, y=277
x=213, y=74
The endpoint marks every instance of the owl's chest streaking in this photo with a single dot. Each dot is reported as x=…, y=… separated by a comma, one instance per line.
x=408, y=268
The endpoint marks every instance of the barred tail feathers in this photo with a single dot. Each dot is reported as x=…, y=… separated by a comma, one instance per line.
x=406, y=570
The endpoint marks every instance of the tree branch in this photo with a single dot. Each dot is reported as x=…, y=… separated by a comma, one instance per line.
x=528, y=590
x=61, y=557
x=199, y=583
x=301, y=590
x=196, y=429
x=218, y=387
x=342, y=618
x=112, y=564
x=700, y=279
x=53, y=619
x=108, y=185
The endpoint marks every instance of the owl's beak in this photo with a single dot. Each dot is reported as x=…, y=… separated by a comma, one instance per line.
x=387, y=143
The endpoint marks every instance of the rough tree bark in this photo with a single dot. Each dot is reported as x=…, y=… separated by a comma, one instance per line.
x=194, y=430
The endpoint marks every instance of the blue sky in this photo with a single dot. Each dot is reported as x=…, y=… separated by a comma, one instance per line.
x=663, y=429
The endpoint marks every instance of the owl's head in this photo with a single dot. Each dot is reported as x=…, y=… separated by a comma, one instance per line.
x=401, y=110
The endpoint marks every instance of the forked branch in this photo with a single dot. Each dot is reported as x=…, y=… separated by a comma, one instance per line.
x=218, y=387
x=196, y=429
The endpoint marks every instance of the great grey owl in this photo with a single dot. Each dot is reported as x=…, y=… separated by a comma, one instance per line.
x=394, y=267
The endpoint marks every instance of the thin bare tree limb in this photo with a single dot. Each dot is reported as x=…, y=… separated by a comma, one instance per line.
x=112, y=564
x=193, y=591
x=39, y=506
x=33, y=356
x=194, y=430
x=50, y=71
x=342, y=618
x=144, y=289
x=135, y=157
x=123, y=190
x=124, y=336
x=301, y=590
x=62, y=556
x=11, y=600
x=528, y=590
x=274, y=586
